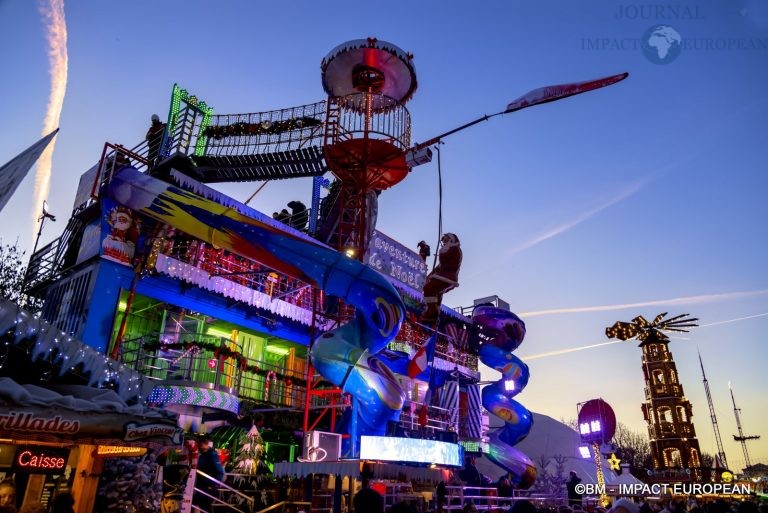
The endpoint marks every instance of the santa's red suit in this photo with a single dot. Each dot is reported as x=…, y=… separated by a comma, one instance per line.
x=444, y=277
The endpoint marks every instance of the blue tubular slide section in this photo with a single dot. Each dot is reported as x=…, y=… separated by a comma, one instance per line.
x=345, y=355
x=503, y=332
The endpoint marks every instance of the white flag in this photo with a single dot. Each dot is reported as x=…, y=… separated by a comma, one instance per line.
x=13, y=173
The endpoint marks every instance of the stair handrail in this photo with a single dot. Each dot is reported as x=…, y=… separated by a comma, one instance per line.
x=284, y=503
x=220, y=484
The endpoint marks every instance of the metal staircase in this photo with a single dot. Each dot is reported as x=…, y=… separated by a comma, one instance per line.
x=48, y=263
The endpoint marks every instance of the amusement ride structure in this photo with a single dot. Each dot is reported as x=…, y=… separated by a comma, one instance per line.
x=674, y=447
x=741, y=437
x=597, y=425
x=220, y=306
x=720, y=461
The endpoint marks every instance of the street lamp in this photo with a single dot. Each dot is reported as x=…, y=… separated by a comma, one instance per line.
x=43, y=216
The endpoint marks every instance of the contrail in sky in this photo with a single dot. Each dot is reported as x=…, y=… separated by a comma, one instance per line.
x=733, y=320
x=631, y=190
x=56, y=35
x=686, y=300
x=571, y=350
x=610, y=342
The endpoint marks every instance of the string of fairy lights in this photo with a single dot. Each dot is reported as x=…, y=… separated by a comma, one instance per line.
x=266, y=127
x=42, y=341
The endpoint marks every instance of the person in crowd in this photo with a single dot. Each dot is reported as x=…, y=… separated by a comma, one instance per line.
x=208, y=462
x=154, y=139
x=63, y=503
x=522, y=506
x=470, y=474
x=469, y=507
x=442, y=495
x=299, y=215
x=8, y=495
x=368, y=500
x=747, y=507
x=504, y=486
x=671, y=507
x=624, y=506
x=402, y=507
x=574, y=497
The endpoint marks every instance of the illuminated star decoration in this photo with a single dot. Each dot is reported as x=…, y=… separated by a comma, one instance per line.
x=643, y=330
x=613, y=461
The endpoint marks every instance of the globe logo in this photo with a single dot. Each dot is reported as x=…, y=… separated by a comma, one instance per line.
x=661, y=44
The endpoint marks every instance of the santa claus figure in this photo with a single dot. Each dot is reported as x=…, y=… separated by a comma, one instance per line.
x=120, y=244
x=444, y=277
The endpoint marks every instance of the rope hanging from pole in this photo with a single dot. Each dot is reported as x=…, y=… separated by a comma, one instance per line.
x=439, y=203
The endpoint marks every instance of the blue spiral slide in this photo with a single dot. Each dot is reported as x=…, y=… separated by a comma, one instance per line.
x=344, y=356
x=502, y=332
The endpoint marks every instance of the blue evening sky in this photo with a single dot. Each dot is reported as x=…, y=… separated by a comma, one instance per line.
x=647, y=191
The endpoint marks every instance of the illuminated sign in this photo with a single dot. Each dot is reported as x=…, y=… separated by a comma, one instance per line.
x=34, y=459
x=117, y=451
x=410, y=450
x=135, y=431
x=589, y=427
x=30, y=421
x=392, y=259
x=596, y=421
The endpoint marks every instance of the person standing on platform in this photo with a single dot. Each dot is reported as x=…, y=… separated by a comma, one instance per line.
x=154, y=139
x=208, y=462
x=299, y=215
x=574, y=497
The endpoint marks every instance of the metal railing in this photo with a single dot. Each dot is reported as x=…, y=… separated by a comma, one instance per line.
x=438, y=419
x=282, y=507
x=240, y=270
x=233, y=495
x=199, y=364
x=483, y=497
x=265, y=132
x=372, y=115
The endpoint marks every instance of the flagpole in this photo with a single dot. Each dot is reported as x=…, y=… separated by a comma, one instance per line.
x=535, y=97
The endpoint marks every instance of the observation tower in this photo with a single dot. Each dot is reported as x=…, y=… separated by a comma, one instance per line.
x=367, y=134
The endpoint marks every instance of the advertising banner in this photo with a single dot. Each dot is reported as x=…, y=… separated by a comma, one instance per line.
x=42, y=424
x=120, y=230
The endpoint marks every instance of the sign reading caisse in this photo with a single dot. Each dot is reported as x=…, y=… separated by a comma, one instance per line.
x=34, y=459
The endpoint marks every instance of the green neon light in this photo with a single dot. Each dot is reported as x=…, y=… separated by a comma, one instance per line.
x=471, y=446
x=180, y=95
x=202, y=140
x=173, y=114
